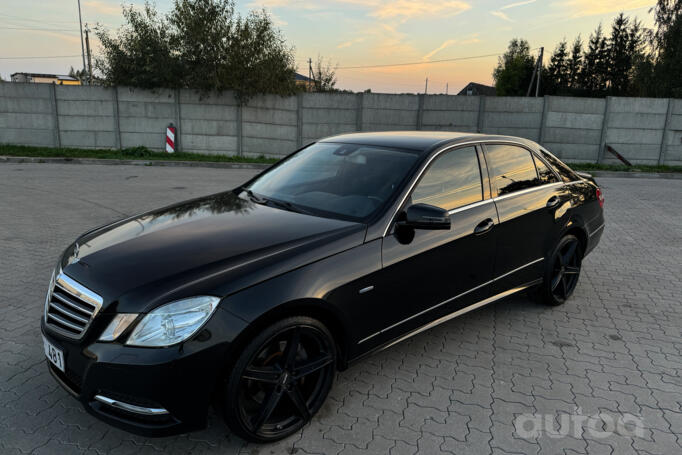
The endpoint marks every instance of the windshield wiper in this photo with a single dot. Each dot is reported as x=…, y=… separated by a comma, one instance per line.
x=286, y=205
x=253, y=196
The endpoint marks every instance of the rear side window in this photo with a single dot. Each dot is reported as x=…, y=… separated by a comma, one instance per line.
x=512, y=168
x=452, y=180
x=546, y=175
x=566, y=174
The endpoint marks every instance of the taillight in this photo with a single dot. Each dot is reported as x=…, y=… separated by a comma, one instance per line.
x=600, y=196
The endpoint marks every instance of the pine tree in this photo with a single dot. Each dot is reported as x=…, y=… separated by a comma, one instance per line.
x=575, y=63
x=557, y=73
x=589, y=79
x=619, y=57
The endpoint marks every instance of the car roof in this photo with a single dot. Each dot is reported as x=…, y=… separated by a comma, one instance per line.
x=419, y=140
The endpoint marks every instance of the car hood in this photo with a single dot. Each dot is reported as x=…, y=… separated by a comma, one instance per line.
x=213, y=245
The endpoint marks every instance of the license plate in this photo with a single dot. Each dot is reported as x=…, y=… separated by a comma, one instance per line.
x=54, y=355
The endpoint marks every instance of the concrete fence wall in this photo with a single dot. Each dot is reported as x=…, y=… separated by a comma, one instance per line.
x=644, y=130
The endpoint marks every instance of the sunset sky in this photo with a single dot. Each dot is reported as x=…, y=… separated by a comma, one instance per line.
x=348, y=32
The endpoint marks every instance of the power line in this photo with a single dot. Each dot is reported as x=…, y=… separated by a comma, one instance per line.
x=41, y=57
x=41, y=29
x=419, y=63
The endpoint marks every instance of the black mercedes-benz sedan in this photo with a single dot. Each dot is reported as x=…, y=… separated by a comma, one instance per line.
x=252, y=299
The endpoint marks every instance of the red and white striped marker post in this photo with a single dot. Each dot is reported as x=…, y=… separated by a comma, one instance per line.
x=170, y=138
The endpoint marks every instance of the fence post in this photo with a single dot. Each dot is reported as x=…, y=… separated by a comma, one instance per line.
x=55, y=112
x=358, y=111
x=420, y=110
x=239, y=129
x=481, y=112
x=299, y=120
x=666, y=128
x=543, y=119
x=604, y=130
x=178, y=119
x=117, y=119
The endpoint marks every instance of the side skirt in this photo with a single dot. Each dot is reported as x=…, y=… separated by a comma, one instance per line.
x=448, y=317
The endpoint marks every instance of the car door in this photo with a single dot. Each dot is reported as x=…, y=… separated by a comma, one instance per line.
x=529, y=204
x=429, y=273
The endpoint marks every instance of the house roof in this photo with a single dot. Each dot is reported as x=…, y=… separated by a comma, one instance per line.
x=63, y=77
x=300, y=77
x=480, y=89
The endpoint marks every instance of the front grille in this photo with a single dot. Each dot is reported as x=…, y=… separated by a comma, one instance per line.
x=71, y=307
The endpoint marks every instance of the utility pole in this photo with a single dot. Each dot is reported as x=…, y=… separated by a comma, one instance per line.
x=446, y=88
x=87, y=46
x=310, y=74
x=426, y=86
x=537, y=71
x=537, y=87
x=80, y=20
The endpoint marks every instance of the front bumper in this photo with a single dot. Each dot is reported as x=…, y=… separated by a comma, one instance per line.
x=148, y=391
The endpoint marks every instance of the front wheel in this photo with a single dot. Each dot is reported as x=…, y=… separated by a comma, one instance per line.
x=562, y=271
x=280, y=380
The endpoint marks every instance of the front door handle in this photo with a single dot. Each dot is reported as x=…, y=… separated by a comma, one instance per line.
x=484, y=226
x=553, y=202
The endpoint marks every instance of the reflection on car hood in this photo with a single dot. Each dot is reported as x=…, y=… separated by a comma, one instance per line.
x=216, y=244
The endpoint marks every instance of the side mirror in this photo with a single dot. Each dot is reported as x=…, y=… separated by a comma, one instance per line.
x=424, y=216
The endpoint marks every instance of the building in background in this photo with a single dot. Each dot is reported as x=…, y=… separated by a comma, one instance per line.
x=304, y=81
x=476, y=89
x=59, y=79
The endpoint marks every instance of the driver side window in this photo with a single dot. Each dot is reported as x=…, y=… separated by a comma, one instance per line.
x=453, y=180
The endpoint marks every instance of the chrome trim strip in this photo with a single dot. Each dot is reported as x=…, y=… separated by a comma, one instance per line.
x=392, y=326
x=597, y=230
x=66, y=323
x=69, y=313
x=80, y=291
x=364, y=290
x=453, y=146
x=470, y=206
x=131, y=407
x=457, y=313
x=527, y=190
x=71, y=303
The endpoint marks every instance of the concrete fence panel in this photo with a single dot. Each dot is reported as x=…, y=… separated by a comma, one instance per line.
x=644, y=130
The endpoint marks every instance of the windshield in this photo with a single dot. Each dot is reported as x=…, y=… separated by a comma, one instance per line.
x=350, y=181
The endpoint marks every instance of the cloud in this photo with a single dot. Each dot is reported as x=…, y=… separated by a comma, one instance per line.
x=581, y=8
x=514, y=5
x=410, y=9
x=350, y=43
x=448, y=43
x=501, y=15
x=100, y=7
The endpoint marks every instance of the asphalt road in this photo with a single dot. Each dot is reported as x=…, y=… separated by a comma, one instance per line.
x=600, y=374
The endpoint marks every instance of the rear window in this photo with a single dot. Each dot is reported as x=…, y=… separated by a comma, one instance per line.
x=565, y=172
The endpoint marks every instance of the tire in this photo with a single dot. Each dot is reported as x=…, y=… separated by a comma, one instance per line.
x=273, y=389
x=562, y=272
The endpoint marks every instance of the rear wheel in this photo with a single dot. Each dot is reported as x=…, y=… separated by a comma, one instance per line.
x=562, y=271
x=280, y=380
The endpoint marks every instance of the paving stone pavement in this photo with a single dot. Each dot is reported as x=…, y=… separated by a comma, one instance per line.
x=600, y=374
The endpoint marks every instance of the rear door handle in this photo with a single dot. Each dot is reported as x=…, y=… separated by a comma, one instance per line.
x=553, y=202
x=484, y=226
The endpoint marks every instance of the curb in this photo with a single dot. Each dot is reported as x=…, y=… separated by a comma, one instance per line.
x=636, y=175
x=103, y=161
x=260, y=166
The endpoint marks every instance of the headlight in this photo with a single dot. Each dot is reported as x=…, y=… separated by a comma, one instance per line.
x=117, y=326
x=174, y=322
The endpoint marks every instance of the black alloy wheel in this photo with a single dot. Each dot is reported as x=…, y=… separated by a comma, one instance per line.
x=563, y=271
x=280, y=380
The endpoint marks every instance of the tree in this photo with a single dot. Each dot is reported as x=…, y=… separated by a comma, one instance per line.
x=324, y=76
x=514, y=69
x=201, y=44
x=666, y=42
x=620, y=60
x=557, y=74
x=81, y=74
x=575, y=63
